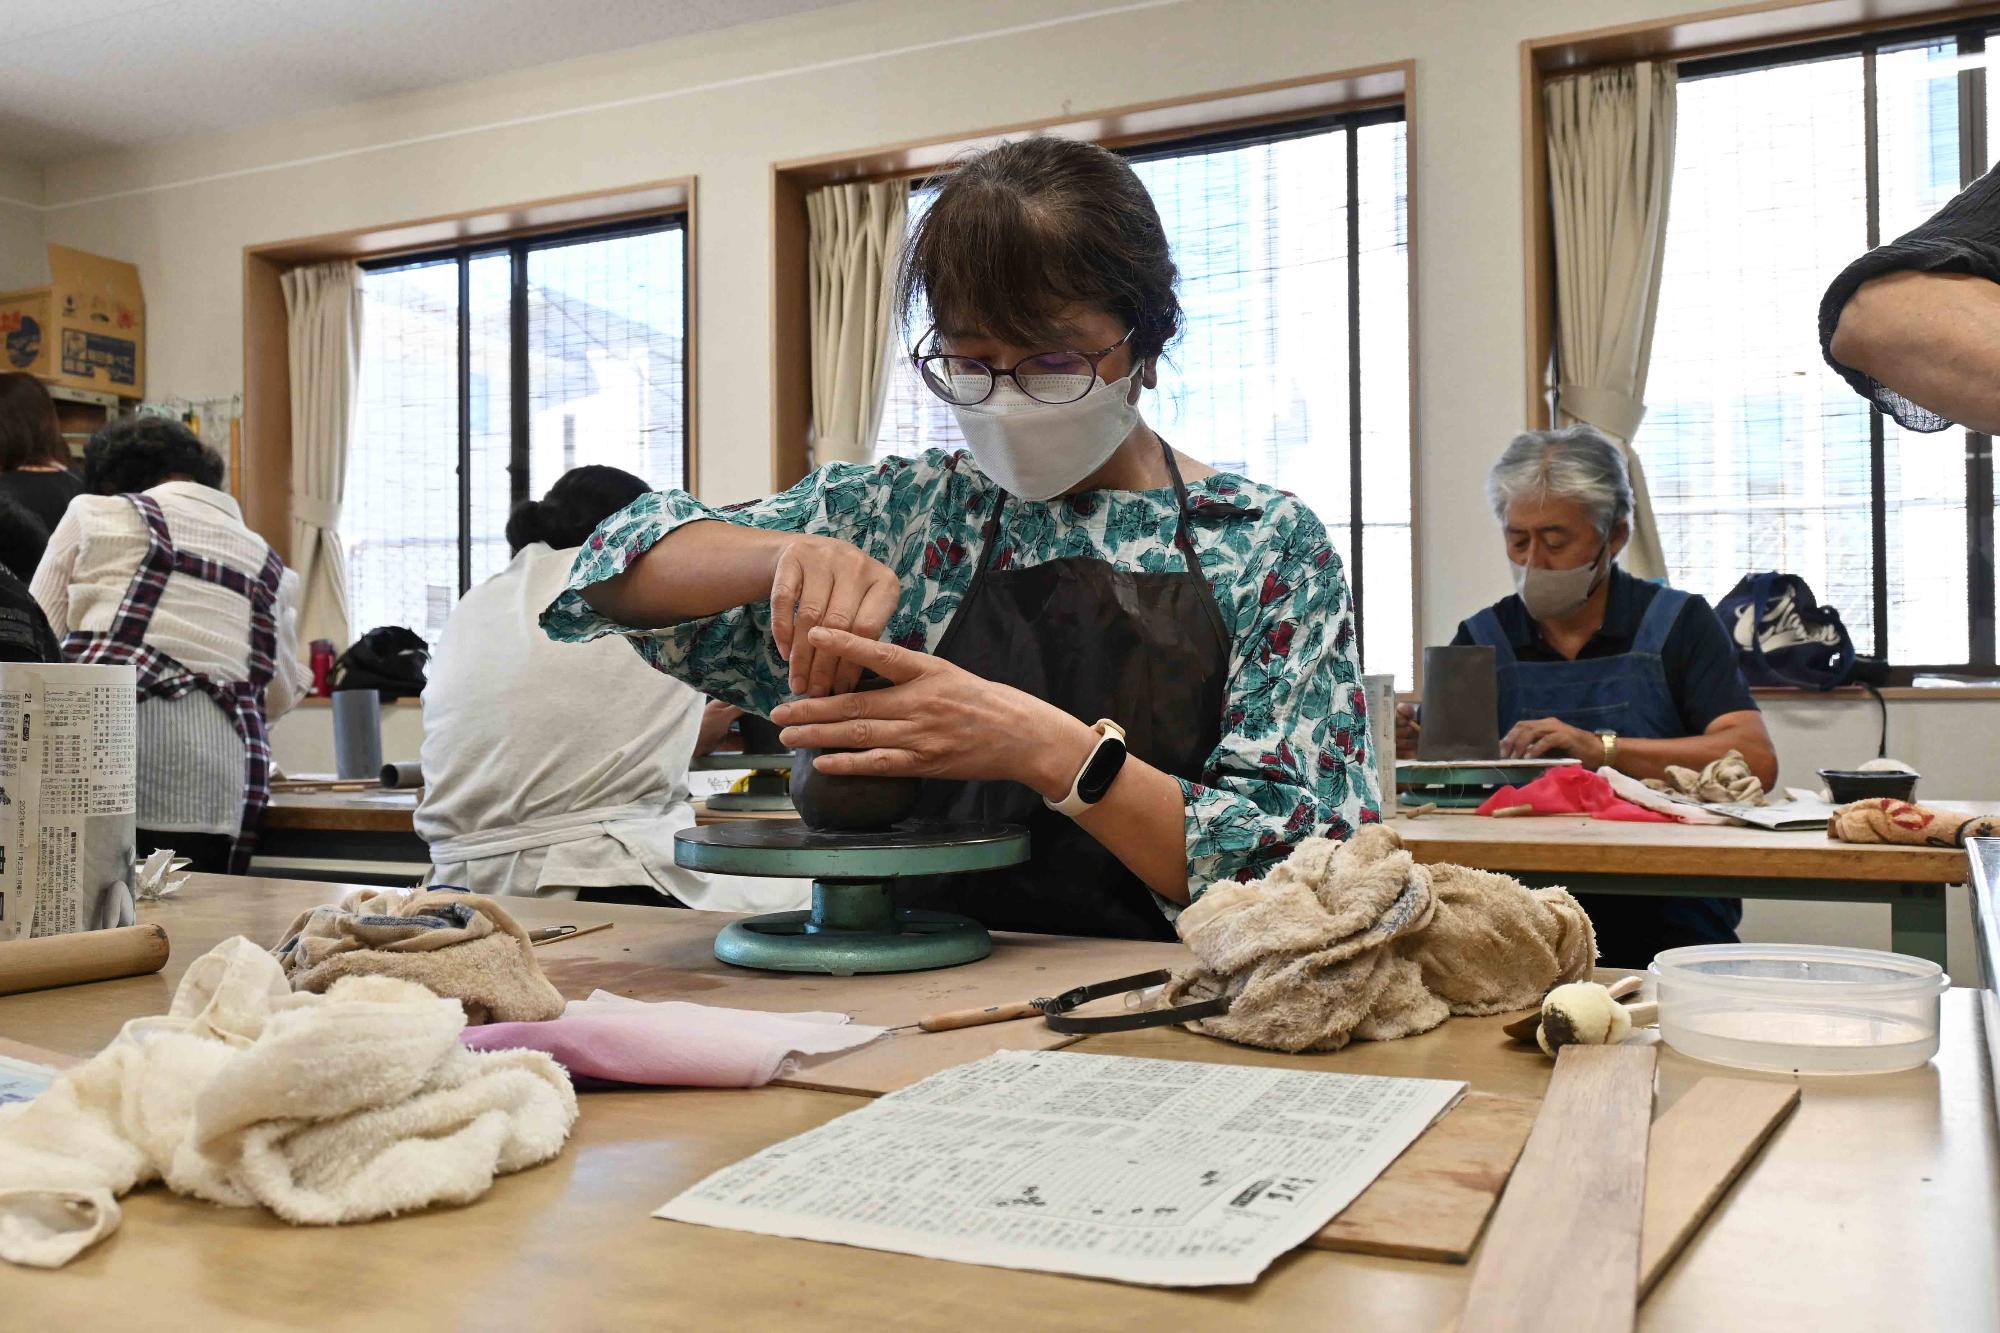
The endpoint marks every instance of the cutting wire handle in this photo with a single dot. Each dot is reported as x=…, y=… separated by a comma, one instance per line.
x=1057, y=1010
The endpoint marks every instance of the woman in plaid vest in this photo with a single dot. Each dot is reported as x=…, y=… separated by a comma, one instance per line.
x=154, y=568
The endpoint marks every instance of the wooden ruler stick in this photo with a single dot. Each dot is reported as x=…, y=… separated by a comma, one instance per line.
x=1562, y=1253
x=1699, y=1148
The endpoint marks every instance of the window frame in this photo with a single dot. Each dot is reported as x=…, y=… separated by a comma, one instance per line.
x=1970, y=36
x=517, y=249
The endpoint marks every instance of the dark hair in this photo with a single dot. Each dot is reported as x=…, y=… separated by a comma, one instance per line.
x=23, y=537
x=582, y=498
x=1025, y=230
x=29, y=431
x=138, y=453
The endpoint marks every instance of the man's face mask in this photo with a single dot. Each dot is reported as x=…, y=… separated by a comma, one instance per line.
x=1551, y=594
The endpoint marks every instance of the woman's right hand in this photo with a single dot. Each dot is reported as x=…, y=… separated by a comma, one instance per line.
x=1406, y=731
x=825, y=581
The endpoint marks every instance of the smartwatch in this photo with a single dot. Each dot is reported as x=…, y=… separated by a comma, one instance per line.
x=1098, y=771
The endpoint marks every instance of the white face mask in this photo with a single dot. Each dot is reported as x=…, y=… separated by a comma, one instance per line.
x=1551, y=594
x=1039, y=450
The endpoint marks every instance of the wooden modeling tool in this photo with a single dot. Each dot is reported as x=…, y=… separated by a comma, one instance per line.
x=954, y=1019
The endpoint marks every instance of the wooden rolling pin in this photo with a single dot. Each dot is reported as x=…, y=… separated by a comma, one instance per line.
x=89, y=955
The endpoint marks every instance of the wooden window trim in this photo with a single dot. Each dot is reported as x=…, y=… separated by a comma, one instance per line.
x=1767, y=25
x=264, y=485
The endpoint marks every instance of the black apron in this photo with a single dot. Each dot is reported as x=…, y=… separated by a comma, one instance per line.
x=1147, y=650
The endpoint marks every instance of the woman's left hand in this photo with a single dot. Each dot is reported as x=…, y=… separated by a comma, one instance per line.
x=936, y=720
x=1552, y=738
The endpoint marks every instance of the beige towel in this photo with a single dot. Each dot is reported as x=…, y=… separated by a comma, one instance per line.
x=1353, y=940
x=1884, y=819
x=1727, y=779
x=452, y=943
x=330, y=1108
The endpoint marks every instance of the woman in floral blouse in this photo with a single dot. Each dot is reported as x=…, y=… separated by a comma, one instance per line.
x=1072, y=579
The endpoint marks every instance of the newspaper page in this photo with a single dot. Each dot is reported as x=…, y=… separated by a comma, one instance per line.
x=67, y=768
x=1162, y=1172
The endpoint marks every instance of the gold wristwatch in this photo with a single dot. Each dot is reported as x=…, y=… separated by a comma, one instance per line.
x=1610, y=739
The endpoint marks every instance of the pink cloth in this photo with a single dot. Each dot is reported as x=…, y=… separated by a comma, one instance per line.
x=692, y=1045
x=1572, y=791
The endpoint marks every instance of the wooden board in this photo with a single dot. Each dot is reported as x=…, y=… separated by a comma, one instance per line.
x=1434, y=1200
x=377, y=811
x=1698, y=1149
x=1563, y=1254
x=1568, y=844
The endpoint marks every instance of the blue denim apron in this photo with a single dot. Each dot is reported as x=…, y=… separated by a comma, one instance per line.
x=1628, y=694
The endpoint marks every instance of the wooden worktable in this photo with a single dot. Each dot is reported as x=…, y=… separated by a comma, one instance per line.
x=367, y=836
x=1575, y=844
x=1706, y=860
x=1875, y=1207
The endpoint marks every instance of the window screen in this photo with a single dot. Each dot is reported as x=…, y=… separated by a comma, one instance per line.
x=1759, y=456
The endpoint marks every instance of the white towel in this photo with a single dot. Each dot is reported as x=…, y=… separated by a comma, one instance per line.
x=331, y=1108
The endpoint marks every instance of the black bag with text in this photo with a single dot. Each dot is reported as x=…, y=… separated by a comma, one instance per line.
x=1783, y=636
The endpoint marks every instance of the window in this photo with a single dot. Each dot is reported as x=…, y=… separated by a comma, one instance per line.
x=1293, y=367
x=1759, y=456
x=487, y=373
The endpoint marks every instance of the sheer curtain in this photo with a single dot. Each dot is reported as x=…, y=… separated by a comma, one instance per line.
x=324, y=305
x=856, y=234
x=1611, y=166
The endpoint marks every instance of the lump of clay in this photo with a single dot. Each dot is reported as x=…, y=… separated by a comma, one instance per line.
x=841, y=803
x=760, y=735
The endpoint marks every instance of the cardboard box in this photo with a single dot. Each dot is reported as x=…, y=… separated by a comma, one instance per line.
x=85, y=330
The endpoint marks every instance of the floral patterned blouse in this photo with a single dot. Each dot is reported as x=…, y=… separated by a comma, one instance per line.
x=1294, y=757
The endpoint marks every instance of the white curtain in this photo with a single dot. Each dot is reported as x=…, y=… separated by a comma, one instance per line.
x=856, y=236
x=1611, y=167
x=324, y=301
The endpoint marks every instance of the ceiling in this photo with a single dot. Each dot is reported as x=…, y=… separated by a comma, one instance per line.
x=87, y=76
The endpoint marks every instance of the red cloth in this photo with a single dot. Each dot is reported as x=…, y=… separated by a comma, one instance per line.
x=1572, y=790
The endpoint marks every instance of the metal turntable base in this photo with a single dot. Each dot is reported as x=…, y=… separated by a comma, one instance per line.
x=853, y=926
x=767, y=791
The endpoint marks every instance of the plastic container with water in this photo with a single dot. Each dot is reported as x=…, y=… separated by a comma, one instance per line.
x=1799, y=1008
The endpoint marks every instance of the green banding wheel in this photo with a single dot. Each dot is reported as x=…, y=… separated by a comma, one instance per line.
x=853, y=926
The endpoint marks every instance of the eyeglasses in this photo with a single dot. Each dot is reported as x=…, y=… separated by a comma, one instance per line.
x=1046, y=377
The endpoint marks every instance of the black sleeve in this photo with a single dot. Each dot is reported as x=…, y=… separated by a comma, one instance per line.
x=1463, y=638
x=1964, y=237
x=1701, y=667
x=25, y=635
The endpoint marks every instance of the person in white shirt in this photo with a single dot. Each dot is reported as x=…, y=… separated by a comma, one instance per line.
x=155, y=568
x=560, y=769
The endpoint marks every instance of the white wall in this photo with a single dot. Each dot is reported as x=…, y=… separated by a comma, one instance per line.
x=23, y=261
